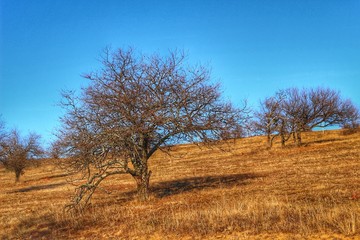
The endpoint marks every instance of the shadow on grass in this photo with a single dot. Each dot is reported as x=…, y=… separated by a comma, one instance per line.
x=41, y=227
x=50, y=177
x=322, y=141
x=37, y=188
x=45, y=226
x=168, y=188
x=56, y=176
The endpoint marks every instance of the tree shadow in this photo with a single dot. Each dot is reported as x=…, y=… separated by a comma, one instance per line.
x=322, y=141
x=168, y=188
x=50, y=177
x=43, y=226
x=56, y=176
x=46, y=225
x=37, y=188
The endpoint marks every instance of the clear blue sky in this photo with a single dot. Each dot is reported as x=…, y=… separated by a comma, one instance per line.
x=254, y=47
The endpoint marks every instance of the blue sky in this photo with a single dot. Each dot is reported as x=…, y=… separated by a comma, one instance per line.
x=254, y=47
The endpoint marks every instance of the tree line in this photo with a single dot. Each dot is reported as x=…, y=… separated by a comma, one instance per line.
x=137, y=104
x=292, y=111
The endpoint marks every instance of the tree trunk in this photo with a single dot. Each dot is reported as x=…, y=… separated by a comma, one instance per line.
x=269, y=141
x=282, y=133
x=142, y=182
x=283, y=140
x=298, y=138
x=17, y=175
x=294, y=136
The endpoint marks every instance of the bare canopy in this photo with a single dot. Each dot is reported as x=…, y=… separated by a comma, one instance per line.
x=16, y=152
x=134, y=105
x=293, y=111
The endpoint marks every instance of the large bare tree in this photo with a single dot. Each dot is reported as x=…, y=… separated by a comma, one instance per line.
x=133, y=106
x=16, y=152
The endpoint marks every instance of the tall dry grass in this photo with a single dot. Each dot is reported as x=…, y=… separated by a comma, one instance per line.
x=237, y=190
x=229, y=214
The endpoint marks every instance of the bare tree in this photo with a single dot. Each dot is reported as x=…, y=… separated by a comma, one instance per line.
x=54, y=151
x=267, y=119
x=2, y=141
x=16, y=152
x=133, y=106
x=296, y=108
x=293, y=111
x=320, y=107
x=351, y=121
x=271, y=120
x=2, y=131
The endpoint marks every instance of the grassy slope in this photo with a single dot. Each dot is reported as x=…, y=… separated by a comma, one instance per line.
x=236, y=190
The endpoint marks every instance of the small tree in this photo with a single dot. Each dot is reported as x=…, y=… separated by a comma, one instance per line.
x=271, y=119
x=267, y=119
x=2, y=133
x=2, y=141
x=54, y=151
x=16, y=152
x=296, y=108
x=133, y=106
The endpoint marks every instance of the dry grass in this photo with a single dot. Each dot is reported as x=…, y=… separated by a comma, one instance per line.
x=234, y=191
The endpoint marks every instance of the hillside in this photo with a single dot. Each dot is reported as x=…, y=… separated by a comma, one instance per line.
x=236, y=190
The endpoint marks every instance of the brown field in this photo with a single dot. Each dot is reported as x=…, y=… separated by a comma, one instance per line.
x=238, y=190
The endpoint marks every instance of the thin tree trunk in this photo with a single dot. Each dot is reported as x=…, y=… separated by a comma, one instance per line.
x=269, y=141
x=17, y=176
x=294, y=136
x=282, y=133
x=298, y=138
x=283, y=140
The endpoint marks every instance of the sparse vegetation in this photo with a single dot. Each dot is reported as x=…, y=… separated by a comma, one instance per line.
x=245, y=192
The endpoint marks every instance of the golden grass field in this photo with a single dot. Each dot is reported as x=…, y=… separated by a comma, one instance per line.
x=237, y=190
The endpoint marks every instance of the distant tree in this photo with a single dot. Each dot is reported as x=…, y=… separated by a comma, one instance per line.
x=54, y=150
x=132, y=107
x=352, y=119
x=320, y=107
x=293, y=111
x=3, y=135
x=296, y=108
x=267, y=119
x=271, y=119
x=2, y=140
x=2, y=131
x=17, y=152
